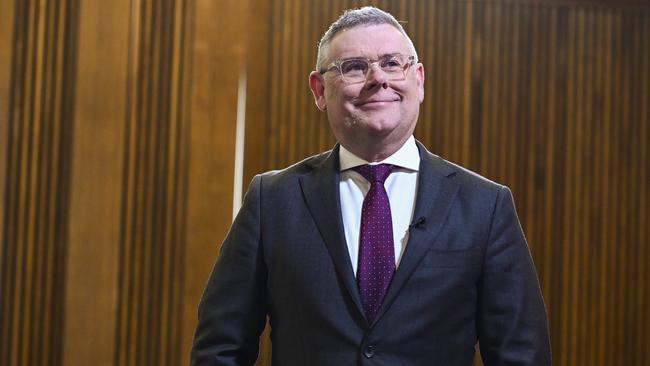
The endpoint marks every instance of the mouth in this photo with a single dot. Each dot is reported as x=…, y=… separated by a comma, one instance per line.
x=376, y=102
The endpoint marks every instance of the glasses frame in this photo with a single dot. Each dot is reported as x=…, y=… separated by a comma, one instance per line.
x=336, y=65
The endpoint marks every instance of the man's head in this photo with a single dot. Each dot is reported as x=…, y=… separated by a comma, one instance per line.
x=358, y=17
x=372, y=106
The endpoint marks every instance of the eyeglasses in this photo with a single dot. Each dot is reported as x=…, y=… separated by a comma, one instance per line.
x=355, y=70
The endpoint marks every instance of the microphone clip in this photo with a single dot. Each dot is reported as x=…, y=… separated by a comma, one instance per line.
x=418, y=223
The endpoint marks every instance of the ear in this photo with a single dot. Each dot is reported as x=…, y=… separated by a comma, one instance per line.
x=317, y=86
x=419, y=74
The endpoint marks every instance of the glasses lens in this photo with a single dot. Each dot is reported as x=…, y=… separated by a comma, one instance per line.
x=393, y=64
x=354, y=69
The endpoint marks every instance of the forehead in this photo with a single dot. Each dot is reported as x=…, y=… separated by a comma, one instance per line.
x=369, y=41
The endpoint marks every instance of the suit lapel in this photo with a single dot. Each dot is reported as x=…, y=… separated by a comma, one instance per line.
x=437, y=189
x=321, y=190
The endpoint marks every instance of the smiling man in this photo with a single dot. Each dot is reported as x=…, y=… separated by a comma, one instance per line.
x=376, y=252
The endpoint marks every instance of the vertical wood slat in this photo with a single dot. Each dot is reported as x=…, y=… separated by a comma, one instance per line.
x=7, y=13
x=151, y=256
x=644, y=176
x=548, y=98
x=92, y=246
x=37, y=110
x=217, y=62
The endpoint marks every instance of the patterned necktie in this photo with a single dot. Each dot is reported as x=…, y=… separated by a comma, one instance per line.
x=376, y=247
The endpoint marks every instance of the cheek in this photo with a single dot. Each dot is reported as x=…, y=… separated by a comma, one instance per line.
x=333, y=99
x=343, y=93
x=340, y=105
x=412, y=107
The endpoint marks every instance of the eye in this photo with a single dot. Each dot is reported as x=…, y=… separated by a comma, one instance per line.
x=391, y=63
x=354, y=66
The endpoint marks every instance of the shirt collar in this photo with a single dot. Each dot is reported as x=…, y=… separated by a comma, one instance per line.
x=407, y=157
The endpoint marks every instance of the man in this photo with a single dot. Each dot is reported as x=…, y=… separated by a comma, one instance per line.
x=376, y=252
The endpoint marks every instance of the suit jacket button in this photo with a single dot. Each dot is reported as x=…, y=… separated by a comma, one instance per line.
x=369, y=351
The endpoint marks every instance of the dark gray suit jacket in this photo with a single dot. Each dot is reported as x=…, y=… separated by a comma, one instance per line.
x=466, y=276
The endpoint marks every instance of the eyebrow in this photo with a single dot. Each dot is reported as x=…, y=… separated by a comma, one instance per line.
x=366, y=58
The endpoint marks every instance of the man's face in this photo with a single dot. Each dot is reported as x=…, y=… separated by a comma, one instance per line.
x=378, y=110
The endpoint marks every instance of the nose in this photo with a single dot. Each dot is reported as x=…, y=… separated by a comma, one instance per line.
x=376, y=76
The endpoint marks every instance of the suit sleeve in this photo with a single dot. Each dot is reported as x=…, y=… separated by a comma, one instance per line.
x=232, y=311
x=512, y=321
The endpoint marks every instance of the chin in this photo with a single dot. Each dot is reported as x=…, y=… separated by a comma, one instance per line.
x=381, y=124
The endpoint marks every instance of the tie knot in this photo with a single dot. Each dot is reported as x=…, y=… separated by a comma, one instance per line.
x=375, y=173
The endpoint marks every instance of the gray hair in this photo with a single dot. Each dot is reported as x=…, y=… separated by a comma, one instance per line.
x=368, y=15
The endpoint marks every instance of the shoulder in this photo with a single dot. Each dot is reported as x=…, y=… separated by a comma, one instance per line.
x=469, y=177
x=325, y=162
x=298, y=169
x=463, y=176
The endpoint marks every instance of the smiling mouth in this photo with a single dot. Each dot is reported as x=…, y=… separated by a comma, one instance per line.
x=376, y=102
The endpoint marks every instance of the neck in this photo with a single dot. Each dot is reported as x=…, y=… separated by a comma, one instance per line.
x=374, y=151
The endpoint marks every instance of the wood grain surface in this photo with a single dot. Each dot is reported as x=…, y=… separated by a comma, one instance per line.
x=117, y=156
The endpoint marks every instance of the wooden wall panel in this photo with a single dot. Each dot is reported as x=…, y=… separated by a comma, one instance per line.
x=99, y=93
x=6, y=36
x=153, y=195
x=218, y=54
x=99, y=149
x=117, y=126
x=548, y=97
x=36, y=173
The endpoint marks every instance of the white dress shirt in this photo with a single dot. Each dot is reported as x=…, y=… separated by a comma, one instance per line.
x=401, y=186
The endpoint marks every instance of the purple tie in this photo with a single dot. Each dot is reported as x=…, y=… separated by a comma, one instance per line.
x=376, y=247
